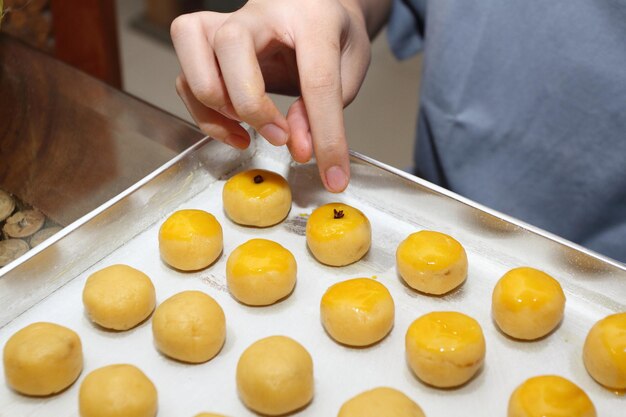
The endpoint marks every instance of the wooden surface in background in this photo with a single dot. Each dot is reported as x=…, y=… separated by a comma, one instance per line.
x=82, y=33
x=85, y=36
x=30, y=21
x=68, y=142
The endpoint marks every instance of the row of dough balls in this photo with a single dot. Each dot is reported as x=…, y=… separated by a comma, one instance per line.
x=274, y=377
x=189, y=240
x=443, y=348
x=355, y=312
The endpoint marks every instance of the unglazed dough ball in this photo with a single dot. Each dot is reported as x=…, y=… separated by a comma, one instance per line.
x=604, y=352
x=275, y=376
x=260, y=272
x=550, y=396
x=257, y=198
x=357, y=312
x=527, y=303
x=190, y=240
x=381, y=402
x=431, y=262
x=42, y=359
x=445, y=349
x=118, y=297
x=189, y=326
x=338, y=234
x=117, y=391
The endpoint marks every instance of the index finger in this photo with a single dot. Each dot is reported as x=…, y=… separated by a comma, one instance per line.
x=319, y=67
x=190, y=34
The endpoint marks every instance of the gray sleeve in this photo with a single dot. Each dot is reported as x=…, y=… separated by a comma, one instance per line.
x=406, y=27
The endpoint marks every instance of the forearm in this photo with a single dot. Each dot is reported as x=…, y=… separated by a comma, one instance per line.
x=375, y=13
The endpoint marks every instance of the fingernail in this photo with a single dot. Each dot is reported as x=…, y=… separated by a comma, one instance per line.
x=336, y=179
x=274, y=134
x=237, y=141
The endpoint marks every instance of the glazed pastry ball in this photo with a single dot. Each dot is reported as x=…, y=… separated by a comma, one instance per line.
x=190, y=240
x=431, y=262
x=42, y=359
x=190, y=327
x=260, y=272
x=275, y=376
x=381, y=402
x=338, y=234
x=445, y=349
x=604, y=352
x=357, y=312
x=118, y=297
x=257, y=198
x=527, y=303
x=117, y=391
x=551, y=396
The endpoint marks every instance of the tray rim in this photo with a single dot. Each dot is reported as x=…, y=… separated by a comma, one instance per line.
x=502, y=216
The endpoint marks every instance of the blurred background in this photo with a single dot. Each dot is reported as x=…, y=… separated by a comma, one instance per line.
x=126, y=43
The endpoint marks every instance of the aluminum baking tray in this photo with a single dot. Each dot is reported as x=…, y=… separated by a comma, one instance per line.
x=48, y=288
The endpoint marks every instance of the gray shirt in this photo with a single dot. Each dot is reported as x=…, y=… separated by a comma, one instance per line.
x=523, y=108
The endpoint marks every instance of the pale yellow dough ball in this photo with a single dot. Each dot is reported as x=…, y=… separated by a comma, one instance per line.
x=257, y=198
x=338, y=234
x=431, y=262
x=381, y=402
x=118, y=297
x=42, y=359
x=260, y=272
x=550, y=396
x=117, y=391
x=445, y=349
x=190, y=240
x=604, y=352
x=357, y=312
x=275, y=376
x=527, y=303
x=190, y=327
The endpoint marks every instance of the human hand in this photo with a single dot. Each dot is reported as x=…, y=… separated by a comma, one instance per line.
x=318, y=50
